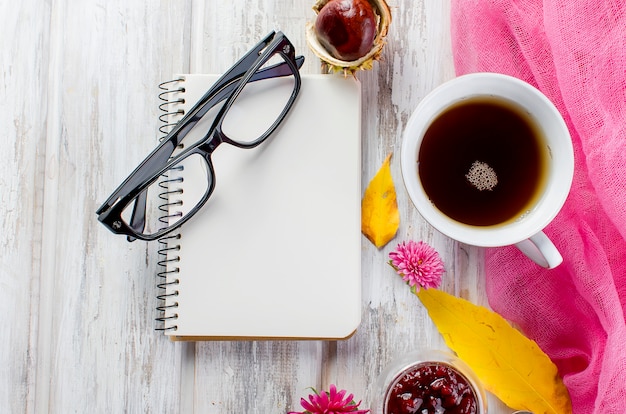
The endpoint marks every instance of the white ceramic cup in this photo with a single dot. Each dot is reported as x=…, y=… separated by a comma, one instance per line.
x=526, y=231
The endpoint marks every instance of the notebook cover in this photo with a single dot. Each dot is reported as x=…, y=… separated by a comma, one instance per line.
x=275, y=252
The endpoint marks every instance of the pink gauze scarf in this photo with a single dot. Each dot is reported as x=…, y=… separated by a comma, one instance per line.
x=574, y=51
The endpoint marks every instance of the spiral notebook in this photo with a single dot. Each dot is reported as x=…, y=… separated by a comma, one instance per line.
x=275, y=252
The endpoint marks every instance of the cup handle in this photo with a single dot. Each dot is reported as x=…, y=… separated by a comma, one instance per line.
x=541, y=250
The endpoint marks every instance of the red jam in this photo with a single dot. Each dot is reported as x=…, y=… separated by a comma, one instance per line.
x=432, y=388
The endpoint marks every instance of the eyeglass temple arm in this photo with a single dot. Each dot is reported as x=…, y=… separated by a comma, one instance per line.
x=227, y=82
x=212, y=98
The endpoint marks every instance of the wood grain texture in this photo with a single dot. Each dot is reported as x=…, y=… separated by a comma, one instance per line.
x=21, y=187
x=79, y=111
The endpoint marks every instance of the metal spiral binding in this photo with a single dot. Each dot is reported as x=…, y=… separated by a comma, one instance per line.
x=168, y=245
x=166, y=106
x=167, y=193
x=165, y=282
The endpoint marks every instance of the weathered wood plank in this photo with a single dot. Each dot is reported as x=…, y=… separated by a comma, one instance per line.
x=23, y=87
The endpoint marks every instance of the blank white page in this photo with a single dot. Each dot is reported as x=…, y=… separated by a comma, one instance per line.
x=275, y=252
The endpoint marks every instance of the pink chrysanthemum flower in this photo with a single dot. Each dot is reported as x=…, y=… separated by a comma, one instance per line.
x=331, y=402
x=418, y=264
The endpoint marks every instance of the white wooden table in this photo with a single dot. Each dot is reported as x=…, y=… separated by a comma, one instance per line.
x=78, y=111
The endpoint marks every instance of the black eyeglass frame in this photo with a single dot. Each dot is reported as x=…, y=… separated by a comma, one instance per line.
x=160, y=160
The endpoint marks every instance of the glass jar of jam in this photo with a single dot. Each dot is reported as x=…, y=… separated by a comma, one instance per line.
x=429, y=382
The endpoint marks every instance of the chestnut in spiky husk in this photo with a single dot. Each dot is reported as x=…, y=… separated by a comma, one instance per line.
x=346, y=28
x=338, y=48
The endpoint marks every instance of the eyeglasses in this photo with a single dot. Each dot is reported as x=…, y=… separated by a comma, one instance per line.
x=243, y=108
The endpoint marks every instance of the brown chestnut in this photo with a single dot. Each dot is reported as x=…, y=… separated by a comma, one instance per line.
x=346, y=28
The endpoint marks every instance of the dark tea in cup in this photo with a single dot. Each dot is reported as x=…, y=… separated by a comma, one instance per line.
x=483, y=161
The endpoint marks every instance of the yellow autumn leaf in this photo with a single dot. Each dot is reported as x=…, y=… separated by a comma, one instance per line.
x=509, y=365
x=380, y=218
